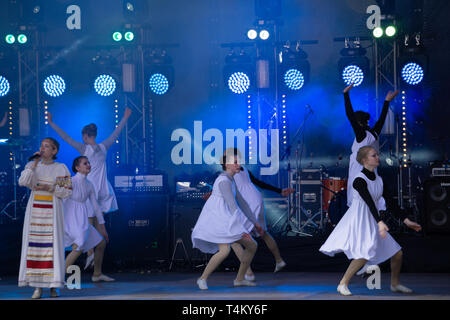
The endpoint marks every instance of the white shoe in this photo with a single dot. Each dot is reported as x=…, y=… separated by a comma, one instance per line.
x=202, y=284
x=279, y=266
x=401, y=289
x=343, y=289
x=102, y=277
x=89, y=262
x=54, y=293
x=37, y=293
x=244, y=283
x=249, y=278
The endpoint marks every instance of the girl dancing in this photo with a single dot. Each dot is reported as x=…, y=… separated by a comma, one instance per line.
x=222, y=222
x=96, y=153
x=78, y=233
x=361, y=234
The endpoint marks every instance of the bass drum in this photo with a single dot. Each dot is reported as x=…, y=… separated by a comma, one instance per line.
x=338, y=207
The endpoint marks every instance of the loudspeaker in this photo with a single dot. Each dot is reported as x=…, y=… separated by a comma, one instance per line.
x=437, y=205
x=184, y=217
x=140, y=231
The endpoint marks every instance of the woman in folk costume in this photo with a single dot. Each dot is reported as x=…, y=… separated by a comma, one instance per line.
x=224, y=221
x=42, y=257
x=96, y=153
x=78, y=232
x=364, y=135
x=246, y=184
x=361, y=234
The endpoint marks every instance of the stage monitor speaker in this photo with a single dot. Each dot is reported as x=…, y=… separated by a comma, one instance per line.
x=437, y=205
x=140, y=230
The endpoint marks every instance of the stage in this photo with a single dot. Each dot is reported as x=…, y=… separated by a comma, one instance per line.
x=280, y=286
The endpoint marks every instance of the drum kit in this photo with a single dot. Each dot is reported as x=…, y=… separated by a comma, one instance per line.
x=318, y=203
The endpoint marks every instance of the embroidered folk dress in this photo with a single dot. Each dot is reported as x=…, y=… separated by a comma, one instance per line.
x=42, y=258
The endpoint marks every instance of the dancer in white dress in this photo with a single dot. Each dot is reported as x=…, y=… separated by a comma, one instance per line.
x=361, y=234
x=78, y=232
x=223, y=222
x=246, y=184
x=364, y=135
x=96, y=154
x=42, y=256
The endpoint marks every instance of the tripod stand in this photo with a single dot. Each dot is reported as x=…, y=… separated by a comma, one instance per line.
x=14, y=201
x=294, y=203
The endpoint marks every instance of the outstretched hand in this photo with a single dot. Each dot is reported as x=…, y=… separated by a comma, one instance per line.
x=49, y=117
x=391, y=95
x=413, y=225
x=287, y=191
x=127, y=113
x=350, y=87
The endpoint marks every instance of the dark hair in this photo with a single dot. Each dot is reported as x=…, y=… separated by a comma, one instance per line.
x=90, y=130
x=76, y=162
x=55, y=144
x=224, y=157
x=362, y=117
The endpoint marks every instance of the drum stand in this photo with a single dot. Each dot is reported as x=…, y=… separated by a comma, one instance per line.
x=14, y=201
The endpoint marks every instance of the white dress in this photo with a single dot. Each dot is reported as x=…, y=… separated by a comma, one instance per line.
x=251, y=195
x=77, y=229
x=98, y=177
x=217, y=224
x=354, y=166
x=357, y=233
x=42, y=257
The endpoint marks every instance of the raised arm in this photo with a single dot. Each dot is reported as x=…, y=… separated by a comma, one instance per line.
x=26, y=176
x=360, y=132
x=109, y=142
x=5, y=118
x=380, y=123
x=80, y=147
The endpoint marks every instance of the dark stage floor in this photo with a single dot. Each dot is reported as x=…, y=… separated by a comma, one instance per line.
x=280, y=286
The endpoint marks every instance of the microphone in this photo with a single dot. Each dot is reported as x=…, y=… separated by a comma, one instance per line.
x=34, y=157
x=242, y=169
x=310, y=108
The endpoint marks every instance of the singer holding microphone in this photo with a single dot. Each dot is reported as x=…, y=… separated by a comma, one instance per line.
x=42, y=256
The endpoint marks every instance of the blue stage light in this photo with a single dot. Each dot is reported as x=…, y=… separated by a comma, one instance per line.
x=159, y=84
x=239, y=82
x=4, y=86
x=105, y=85
x=353, y=74
x=294, y=79
x=54, y=85
x=412, y=73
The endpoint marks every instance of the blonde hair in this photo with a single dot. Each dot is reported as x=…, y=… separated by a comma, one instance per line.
x=363, y=153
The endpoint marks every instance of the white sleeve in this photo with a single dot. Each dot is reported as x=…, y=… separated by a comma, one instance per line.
x=26, y=176
x=95, y=206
